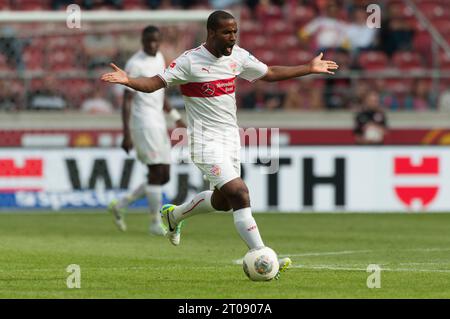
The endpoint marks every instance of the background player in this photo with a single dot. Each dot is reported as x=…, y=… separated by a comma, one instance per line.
x=144, y=127
x=207, y=78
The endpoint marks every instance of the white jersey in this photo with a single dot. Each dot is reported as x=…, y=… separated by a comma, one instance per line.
x=146, y=108
x=207, y=84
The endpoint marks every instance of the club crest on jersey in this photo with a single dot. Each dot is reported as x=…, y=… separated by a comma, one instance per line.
x=172, y=65
x=215, y=170
x=233, y=67
x=208, y=89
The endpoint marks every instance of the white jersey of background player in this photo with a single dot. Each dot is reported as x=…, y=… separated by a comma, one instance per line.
x=203, y=91
x=144, y=127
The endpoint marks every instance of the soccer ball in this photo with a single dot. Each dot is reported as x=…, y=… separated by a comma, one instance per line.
x=261, y=264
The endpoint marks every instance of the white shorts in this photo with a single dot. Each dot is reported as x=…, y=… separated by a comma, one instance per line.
x=152, y=145
x=218, y=164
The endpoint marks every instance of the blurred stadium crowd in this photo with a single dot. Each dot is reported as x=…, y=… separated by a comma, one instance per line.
x=44, y=68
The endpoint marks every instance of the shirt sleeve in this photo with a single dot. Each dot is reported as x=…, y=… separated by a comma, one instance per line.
x=177, y=72
x=252, y=68
x=132, y=70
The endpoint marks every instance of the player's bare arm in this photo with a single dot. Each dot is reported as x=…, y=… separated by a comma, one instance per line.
x=127, y=143
x=317, y=65
x=142, y=84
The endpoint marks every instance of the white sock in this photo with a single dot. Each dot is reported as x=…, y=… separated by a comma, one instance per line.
x=130, y=198
x=154, y=197
x=200, y=204
x=247, y=228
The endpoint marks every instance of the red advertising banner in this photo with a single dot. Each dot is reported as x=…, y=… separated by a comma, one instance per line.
x=112, y=137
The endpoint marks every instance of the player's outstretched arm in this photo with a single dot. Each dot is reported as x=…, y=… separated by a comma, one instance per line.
x=317, y=65
x=142, y=84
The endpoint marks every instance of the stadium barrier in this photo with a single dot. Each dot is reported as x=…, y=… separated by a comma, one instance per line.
x=318, y=179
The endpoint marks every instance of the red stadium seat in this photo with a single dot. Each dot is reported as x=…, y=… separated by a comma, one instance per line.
x=59, y=43
x=265, y=12
x=246, y=14
x=422, y=40
x=253, y=41
x=287, y=84
x=33, y=58
x=398, y=86
x=284, y=41
x=302, y=15
x=398, y=9
x=277, y=26
x=134, y=5
x=29, y=5
x=444, y=61
x=433, y=9
x=297, y=57
x=407, y=60
x=373, y=60
x=37, y=84
x=5, y=4
x=270, y=57
x=442, y=25
x=250, y=26
x=414, y=24
x=4, y=65
x=422, y=44
x=62, y=60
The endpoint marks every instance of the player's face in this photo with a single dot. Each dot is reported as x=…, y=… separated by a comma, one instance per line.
x=225, y=36
x=372, y=101
x=151, y=42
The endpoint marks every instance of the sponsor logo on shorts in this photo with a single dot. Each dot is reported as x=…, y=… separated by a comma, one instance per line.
x=251, y=228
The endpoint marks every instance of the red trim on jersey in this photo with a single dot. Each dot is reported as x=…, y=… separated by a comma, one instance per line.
x=209, y=89
x=201, y=200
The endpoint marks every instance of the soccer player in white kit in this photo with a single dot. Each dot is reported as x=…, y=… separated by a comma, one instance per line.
x=144, y=128
x=206, y=76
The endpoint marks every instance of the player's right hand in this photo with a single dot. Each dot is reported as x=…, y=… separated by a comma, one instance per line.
x=118, y=76
x=127, y=144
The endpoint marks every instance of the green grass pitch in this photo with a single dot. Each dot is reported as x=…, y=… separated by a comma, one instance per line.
x=330, y=254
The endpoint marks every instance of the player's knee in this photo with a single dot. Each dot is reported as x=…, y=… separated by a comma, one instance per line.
x=158, y=176
x=164, y=178
x=241, y=197
x=220, y=203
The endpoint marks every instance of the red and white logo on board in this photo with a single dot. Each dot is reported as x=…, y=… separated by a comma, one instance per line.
x=422, y=192
x=23, y=175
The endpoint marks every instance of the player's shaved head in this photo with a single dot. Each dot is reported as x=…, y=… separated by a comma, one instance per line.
x=215, y=18
x=149, y=30
x=151, y=39
x=222, y=33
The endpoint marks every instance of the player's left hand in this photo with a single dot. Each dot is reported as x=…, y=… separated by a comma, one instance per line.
x=317, y=65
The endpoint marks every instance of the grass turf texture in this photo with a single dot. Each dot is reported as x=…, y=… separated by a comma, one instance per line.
x=330, y=253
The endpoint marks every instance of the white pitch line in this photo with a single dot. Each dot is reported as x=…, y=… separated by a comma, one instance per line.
x=325, y=253
x=427, y=249
x=329, y=253
x=327, y=267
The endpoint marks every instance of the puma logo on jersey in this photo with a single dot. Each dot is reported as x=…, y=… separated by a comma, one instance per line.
x=205, y=69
